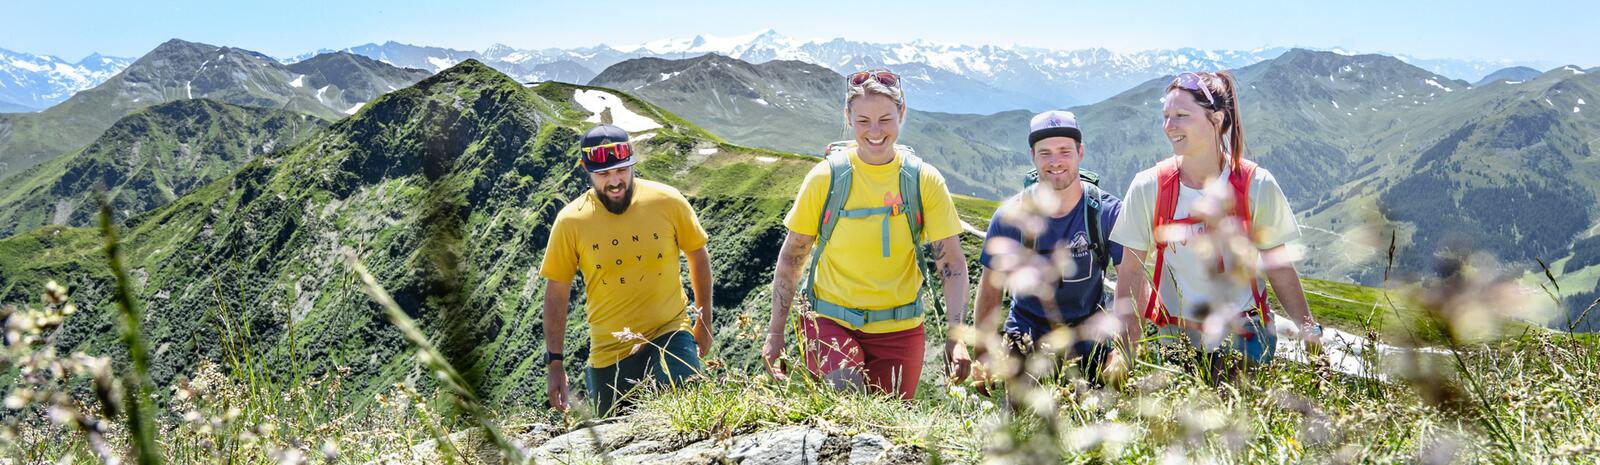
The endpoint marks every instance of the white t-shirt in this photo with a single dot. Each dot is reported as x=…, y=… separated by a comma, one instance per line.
x=1187, y=280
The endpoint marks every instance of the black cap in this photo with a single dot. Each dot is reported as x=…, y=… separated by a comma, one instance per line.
x=602, y=135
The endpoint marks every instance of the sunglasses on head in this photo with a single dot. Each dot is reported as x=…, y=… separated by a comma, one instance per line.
x=618, y=151
x=1191, y=81
x=882, y=76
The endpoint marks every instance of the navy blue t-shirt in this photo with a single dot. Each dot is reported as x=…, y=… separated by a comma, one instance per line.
x=1077, y=295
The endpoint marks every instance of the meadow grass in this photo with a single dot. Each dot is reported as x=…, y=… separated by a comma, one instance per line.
x=1512, y=394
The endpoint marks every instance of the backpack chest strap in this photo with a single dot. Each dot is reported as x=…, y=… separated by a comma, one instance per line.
x=885, y=212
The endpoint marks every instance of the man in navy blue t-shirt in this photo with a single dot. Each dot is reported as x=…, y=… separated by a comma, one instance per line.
x=1048, y=247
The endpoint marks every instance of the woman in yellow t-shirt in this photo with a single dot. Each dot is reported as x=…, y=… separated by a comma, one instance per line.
x=865, y=325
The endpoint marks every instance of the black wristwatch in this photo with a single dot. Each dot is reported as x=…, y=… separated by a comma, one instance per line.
x=552, y=357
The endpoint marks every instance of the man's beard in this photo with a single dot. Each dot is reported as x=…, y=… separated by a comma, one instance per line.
x=1057, y=184
x=620, y=206
x=1064, y=184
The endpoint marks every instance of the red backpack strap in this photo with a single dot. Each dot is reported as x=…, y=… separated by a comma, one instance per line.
x=1166, y=206
x=1240, y=179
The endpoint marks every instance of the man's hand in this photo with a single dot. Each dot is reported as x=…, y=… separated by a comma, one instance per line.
x=957, y=363
x=558, y=390
x=771, y=351
x=702, y=337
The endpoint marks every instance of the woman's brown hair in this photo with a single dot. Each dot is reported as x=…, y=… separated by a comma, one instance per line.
x=1224, y=97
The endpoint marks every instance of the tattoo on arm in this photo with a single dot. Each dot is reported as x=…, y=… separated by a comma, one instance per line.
x=938, y=251
x=786, y=276
x=952, y=263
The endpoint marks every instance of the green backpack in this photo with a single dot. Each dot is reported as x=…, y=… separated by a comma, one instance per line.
x=909, y=206
x=1091, y=193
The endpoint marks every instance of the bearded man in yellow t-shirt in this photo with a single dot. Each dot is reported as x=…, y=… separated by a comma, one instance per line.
x=625, y=236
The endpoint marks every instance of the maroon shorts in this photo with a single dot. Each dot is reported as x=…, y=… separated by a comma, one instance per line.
x=890, y=362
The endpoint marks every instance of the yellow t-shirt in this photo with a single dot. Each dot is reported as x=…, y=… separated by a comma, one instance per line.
x=629, y=263
x=852, y=270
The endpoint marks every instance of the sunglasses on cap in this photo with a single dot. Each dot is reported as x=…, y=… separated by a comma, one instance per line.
x=618, y=151
x=883, y=76
x=1191, y=81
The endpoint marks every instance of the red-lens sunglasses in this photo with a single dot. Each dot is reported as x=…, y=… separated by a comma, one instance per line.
x=882, y=76
x=618, y=151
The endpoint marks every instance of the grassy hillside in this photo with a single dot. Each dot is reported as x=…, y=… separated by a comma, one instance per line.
x=146, y=160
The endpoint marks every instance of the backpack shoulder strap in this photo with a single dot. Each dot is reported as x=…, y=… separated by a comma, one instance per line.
x=1240, y=180
x=1097, y=242
x=911, y=193
x=1166, y=193
x=1166, y=206
x=840, y=175
x=911, y=205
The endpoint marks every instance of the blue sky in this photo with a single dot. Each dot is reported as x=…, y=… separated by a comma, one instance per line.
x=1554, y=32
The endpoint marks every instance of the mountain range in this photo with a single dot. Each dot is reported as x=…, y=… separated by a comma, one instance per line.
x=34, y=82
x=950, y=78
x=328, y=87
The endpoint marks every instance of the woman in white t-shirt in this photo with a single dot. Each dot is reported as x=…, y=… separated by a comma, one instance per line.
x=1210, y=252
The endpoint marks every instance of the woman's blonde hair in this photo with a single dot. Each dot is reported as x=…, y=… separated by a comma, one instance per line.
x=873, y=87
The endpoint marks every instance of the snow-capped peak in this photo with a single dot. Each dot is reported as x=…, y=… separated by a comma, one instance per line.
x=41, y=81
x=502, y=52
x=706, y=43
x=498, y=49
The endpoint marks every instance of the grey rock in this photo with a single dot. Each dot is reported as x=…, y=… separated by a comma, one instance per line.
x=905, y=455
x=868, y=448
x=533, y=435
x=583, y=442
x=701, y=453
x=640, y=447
x=795, y=445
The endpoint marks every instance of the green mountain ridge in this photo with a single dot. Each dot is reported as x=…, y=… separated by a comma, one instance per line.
x=147, y=159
